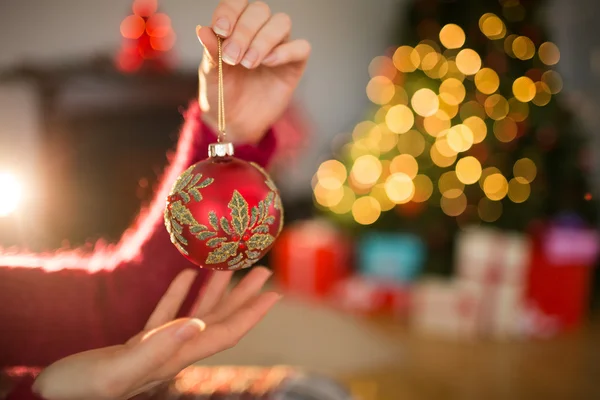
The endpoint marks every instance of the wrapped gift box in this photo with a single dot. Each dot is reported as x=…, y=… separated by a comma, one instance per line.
x=310, y=258
x=395, y=256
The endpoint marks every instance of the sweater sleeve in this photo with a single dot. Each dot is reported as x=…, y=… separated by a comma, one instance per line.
x=55, y=305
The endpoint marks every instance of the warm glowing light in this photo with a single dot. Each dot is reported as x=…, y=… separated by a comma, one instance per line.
x=523, y=48
x=378, y=193
x=452, y=91
x=505, y=130
x=492, y=26
x=468, y=61
x=452, y=36
x=366, y=210
x=495, y=187
x=442, y=145
x=133, y=27
x=423, y=49
x=439, y=159
x=411, y=142
x=388, y=139
x=542, y=94
x=399, y=188
x=344, y=206
x=425, y=102
x=488, y=210
x=518, y=191
x=518, y=111
x=460, y=138
x=487, y=172
x=326, y=197
x=525, y=169
x=472, y=109
x=158, y=25
x=366, y=169
x=487, y=81
x=553, y=81
x=436, y=124
x=406, y=59
x=406, y=164
x=144, y=8
x=454, y=206
x=11, y=192
x=496, y=107
x=165, y=43
x=423, y=188
x=549, y=53
x=382, y=66
x=332, y=174
x=434, y=65
x=478, y=128
x=524, y=89
x=400, y=119
x=380, y=90
x=468, y=170
x=449, y=185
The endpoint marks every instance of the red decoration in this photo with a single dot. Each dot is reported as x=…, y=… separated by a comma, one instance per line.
x=224, y=213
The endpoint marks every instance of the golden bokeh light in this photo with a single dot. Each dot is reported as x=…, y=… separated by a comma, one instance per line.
x=399, y=188
x=388, y=139
x=487, y=172
x=487, y=81
x=434, y=65
x=492, y=26
x=332, y=174
x=549, y=53
x=382, y=66
x=468, y=170
x=452, y=91
x=489, y=210
x=472, y=109
x=453, y=71
x=400, y=119
x=437, y=123
x=523, y=48
x=366, y=170
x=362, y=129
x=449, y=185
x=460, y=138
x=495, y=187
x=478, y=128
x=378, y=193
x=454, y=206
x=542, y=94
x=406, y=59
x=452, y=36
x=366, y=210
x=518, y=191
x=439, y=159
x=345, y=204
x=524, y=89
x=423, y=188
x=380, y=90
x=496, y=107
x=423, y=49
x=553, y=81
x=442, y=145
x=513, y=11
x=518, y=111
x=508, y=42
x=468, y=61
x=406, y=164
x=525, y=169
x=327, y=197
x=400, y=96
x=505, y=130
x=425, y=102
x=411, y=142
x=450, y=110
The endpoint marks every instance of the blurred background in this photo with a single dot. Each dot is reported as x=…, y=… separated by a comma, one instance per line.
x=441, y=237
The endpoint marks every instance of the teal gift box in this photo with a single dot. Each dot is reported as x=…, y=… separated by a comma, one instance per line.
x=397, y=256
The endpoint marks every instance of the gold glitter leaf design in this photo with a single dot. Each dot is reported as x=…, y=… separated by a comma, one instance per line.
x=214, y=220
x=182, y=214
x=235, y=260
x=260, y=241
x=222, y=253
x=239, y=213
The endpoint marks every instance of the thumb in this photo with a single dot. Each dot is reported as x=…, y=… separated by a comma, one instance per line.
x=156, y=348
x=208, y=39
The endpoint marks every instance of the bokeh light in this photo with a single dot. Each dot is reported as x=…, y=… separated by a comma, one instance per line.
x=496, y=107
x=549, y=53
x=366, y=170
x=11, y=193
x=400, y=118
x=366, y=210
x=327, y=197
x=454, y=206
x=437, y=123
x=378, y=193
x=542, y=94
x=487, y=81
x=158, y=25
x=478, y=128
x=495, y=187
x=411, y=142
x=406, y=164
x=468, y=170
x=523, y=89
x=468, y=61
x=452, y=36
x=518, y=111
x=553, y=81
x=380, y=90
x=518, y=190
x=344, y=206
x=399, y=188
x=523, y=48
x=505, y=130
x=472, y=109
x=406, y=59
x=460, y=138
x=332, y=174
x=382, y=66
x=425, y=102
x=492, y=26
x=449, y=185
x=439, y=159
x=489, y=210
x=423, y=188
x=132, y=27
x=452, y=91
x=525, y=169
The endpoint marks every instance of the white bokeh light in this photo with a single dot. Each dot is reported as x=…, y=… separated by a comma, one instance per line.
x=11, y=192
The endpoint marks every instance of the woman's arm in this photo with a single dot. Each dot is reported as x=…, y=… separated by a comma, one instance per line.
x=55, y=305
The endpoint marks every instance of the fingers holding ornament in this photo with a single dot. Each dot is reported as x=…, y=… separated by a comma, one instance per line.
x=296, y=51
x=275, y=32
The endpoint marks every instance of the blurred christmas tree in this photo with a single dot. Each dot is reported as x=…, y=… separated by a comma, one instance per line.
x=468, y=128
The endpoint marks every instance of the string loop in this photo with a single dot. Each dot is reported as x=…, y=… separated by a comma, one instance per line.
x=221, y=94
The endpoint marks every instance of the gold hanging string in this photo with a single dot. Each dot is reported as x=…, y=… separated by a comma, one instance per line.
x=221, y=95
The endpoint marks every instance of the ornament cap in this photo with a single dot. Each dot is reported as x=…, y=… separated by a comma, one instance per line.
x=222, y=149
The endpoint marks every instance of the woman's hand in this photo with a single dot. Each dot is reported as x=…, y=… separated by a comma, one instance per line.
x=167, y=345
x=262, y=67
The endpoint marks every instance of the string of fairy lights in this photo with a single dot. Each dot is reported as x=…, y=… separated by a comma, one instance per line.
x=422, y=123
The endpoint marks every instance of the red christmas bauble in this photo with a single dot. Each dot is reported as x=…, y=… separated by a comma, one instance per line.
x=224, y=213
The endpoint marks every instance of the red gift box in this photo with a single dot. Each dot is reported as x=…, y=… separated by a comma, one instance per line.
x=559, y=278
x=310, y=258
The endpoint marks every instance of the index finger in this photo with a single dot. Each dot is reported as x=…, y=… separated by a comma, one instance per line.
x=226, y=16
